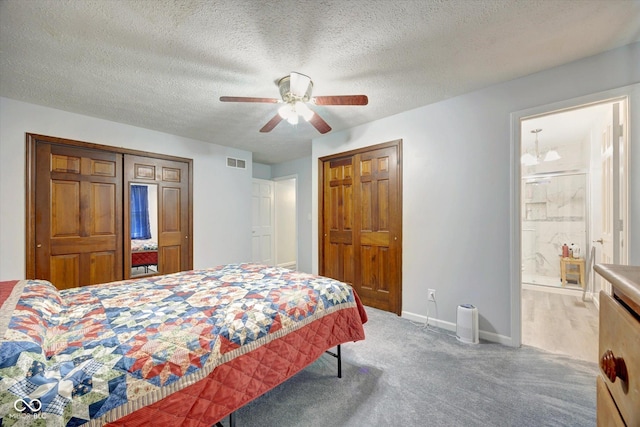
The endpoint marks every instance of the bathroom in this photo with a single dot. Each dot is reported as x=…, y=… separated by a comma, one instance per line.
x=554, y=215
x=563, y=175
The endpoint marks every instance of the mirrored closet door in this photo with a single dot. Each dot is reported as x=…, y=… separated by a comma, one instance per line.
x=156, y=223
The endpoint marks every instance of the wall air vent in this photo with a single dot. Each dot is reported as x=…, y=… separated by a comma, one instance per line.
x=236, y=163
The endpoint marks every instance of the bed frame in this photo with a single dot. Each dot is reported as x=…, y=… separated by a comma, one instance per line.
x=337, y=355
x=144, y=259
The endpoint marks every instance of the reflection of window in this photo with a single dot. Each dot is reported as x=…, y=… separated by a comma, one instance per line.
x=140, y=228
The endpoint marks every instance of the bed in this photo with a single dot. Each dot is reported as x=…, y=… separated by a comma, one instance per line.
x=144, y=253
x=185, y=349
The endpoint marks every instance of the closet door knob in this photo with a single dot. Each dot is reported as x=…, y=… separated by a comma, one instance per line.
x=38, y=245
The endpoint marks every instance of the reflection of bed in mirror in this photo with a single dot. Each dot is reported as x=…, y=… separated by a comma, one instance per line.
x=144, y=253
x=143, y=208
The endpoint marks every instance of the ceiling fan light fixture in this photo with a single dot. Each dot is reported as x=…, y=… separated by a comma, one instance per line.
x=285, y=111
x=295, y=87
x=295, y=91
x=300, y=85
x=293, y=119
x=302, y=109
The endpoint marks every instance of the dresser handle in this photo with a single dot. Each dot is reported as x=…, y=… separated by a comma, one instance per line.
x=613, y=367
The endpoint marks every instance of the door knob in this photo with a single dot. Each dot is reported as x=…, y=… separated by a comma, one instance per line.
x=38, y=245
x=599, y=241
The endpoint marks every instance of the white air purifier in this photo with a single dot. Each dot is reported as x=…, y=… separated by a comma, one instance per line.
x=467, y=324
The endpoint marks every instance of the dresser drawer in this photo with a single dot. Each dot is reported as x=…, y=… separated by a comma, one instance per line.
x=620, y=333
x=607, y=415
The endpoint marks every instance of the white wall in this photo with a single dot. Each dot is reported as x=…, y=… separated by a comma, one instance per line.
x=222, y=195
x=458, y=183
x=261, y=171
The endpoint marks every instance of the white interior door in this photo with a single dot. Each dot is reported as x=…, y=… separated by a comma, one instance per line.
x=286, y=223
x=613, y=193
x=262, y=239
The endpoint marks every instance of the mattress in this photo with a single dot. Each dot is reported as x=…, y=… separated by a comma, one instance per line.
x=143, y=245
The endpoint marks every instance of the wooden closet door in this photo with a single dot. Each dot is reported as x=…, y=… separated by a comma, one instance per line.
x=378, y=228
x=173, y=199
x=338, y=214
x=78, y=209
x=172, y=178
x=361, y=224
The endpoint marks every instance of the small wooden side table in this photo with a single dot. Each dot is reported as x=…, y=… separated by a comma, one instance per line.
x=579, y=262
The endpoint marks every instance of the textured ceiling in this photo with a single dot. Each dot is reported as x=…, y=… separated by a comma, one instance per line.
x=163, y=64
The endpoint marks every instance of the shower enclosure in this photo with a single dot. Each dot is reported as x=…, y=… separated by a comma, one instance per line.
x=554, y=213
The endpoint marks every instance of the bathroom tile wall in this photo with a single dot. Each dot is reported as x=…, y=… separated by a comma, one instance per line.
x=554, y=213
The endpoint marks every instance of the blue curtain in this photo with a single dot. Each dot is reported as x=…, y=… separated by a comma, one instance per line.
x=140, y=228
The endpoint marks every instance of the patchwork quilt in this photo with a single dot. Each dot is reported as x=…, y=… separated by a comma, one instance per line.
x=143, y=245
x=180, y=349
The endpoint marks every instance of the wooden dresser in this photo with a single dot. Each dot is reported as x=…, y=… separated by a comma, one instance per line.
x=618, y=385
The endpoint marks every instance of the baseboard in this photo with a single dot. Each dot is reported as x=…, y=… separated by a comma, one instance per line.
x=449, y=326
x=432, y=321
x=496, y=338
x=288, y=265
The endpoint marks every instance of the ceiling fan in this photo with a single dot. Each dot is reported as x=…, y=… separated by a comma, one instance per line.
x=295, y=91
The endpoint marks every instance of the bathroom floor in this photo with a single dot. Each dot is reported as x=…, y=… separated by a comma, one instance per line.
x=560, y=323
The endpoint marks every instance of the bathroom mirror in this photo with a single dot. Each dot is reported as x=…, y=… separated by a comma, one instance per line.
x=143, y=229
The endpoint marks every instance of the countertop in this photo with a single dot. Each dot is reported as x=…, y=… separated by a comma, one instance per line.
x=625, y=280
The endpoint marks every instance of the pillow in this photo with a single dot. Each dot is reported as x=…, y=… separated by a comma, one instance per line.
x=25, y=314
x=43, y=297
x=36, y=308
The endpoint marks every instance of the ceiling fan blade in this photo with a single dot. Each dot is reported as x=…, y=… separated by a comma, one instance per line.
x=271, y=123
x=248, y=99
x=342, y=100
x=319, y=123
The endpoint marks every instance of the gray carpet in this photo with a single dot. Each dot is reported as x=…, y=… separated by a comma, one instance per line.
x=405, y=375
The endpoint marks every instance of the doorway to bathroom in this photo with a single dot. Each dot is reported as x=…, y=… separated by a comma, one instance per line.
x=572, y=210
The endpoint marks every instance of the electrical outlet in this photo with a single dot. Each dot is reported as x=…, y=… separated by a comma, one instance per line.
x=432, y=294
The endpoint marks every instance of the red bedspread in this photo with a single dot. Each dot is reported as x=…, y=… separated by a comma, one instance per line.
x=5, y=290
x=234, y=384
x=144, y=258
